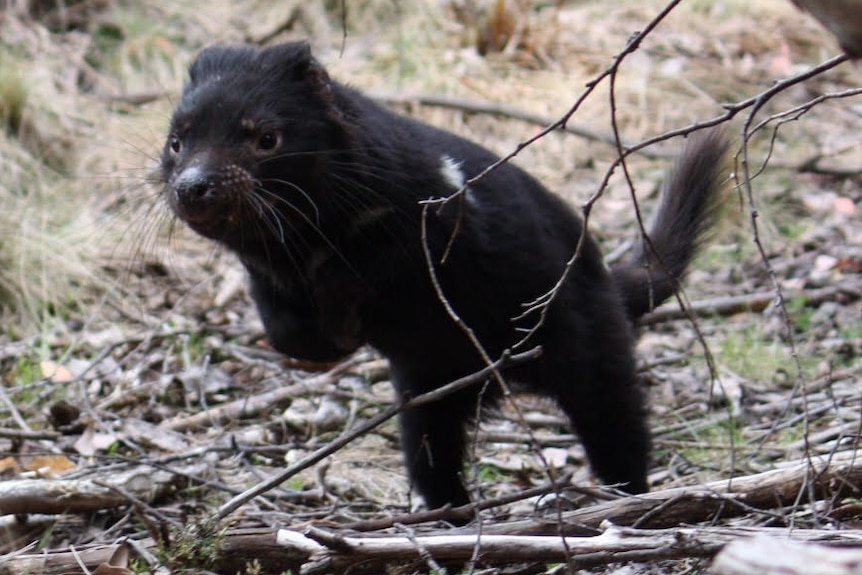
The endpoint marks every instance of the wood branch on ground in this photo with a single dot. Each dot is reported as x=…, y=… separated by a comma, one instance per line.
x=825, y=477
x=541, y=540
x=251, y=406
x=747, y=303
x=102, y=491
x=315, y=550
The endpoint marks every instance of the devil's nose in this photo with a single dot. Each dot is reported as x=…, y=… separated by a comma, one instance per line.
x=194, y=184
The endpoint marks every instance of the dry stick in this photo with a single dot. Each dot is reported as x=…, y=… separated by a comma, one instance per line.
x=511, y=112
x=648, y=245
x=252, y=405
x=474, y=559
x=755, y=103
x=543, y=302
x=731, y=111
x=144, y=511
x=839, y=474
x=756, y=302
x=809, y=165
x=55, y=496
x=22, y=434
x=336, y=553
x=13, y=411
x=477, y=345
x=614, y=545
x=449, y=512
x=821, y=383
x=325, y=552
x=79, y=561
x=794, y=354
x=425, y=555
x=505, y=360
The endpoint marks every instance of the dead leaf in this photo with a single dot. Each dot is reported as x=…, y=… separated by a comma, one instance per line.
x=49, y=465
x=56, y=373
x=849, y=266
x=845, y=206
x=118, y=564
x=556, y=456
x=105, y=569
x=91, y=442
x=147, y=434
x=8, y=463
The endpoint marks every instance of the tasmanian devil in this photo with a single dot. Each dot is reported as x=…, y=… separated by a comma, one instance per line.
x=319, y=191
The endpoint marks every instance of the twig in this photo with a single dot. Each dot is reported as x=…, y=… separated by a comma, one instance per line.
x=248, y=406
x=754, y=303
x=613, y=545
x=424, y=554
x=137, y=502
x=839, y=474
x=325, y=551
x=445, y=513
x=746, y=131
x=474, y=340
x=502, y=110
x=364, y=428
x=79, y=561
x=22, y=434
x=542, y=304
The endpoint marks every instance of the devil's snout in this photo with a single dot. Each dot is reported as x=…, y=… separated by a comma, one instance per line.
x=194, y=186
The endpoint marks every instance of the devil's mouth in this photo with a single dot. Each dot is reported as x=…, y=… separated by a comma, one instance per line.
x=213, y=219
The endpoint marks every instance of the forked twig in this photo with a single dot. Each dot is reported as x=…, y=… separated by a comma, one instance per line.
x=351, y=434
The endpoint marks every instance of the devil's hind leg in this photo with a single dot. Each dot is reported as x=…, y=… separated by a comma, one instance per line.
x=433, y=438
x=590, y=371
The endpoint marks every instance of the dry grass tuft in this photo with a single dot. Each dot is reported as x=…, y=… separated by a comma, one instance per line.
x=48, y=239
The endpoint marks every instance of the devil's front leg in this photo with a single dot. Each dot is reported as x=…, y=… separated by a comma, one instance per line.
x=295, y=326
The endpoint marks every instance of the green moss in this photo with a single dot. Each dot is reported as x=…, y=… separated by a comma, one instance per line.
x=490, y=474
x=194, y=546
x=800, y=313
x=752, y=356
x=27, y=370
x=297, y=484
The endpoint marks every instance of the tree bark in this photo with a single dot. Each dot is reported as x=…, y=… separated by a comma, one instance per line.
x=820, y=476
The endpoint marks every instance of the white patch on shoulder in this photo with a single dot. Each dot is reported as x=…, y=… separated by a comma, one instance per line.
x=451, y=171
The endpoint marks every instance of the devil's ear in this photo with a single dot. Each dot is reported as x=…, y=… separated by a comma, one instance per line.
x=293, y=56
x=220, y=60
x=295, y=59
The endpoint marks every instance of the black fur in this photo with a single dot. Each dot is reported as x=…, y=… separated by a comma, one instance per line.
x=317, y=189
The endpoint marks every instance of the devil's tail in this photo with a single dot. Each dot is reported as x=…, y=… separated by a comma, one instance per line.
x=687, y=210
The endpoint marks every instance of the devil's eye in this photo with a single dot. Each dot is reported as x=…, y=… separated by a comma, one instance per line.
x=175, y=144
x=268, y=141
